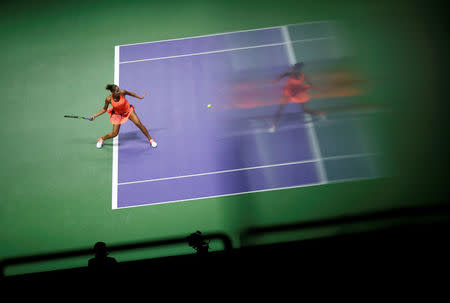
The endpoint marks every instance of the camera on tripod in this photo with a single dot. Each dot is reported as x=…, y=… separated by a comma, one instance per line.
x=197, y=241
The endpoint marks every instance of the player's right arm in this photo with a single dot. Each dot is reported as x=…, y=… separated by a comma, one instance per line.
x=103, y=110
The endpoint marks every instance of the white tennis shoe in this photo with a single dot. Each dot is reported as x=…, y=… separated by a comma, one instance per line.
x=153, y=143
x=100, y=142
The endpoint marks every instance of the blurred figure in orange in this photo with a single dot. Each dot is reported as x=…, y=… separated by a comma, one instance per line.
x=296, y=90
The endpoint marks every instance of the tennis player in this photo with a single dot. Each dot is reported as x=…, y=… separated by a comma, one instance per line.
x=119, y=113
x=296, y=91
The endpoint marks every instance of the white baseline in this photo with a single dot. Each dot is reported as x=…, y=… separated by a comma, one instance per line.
x=250, y=168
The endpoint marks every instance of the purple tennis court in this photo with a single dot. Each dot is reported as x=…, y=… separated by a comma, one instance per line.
x=228, y=148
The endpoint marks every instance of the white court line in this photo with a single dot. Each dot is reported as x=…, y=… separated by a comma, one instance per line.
x=311, y=132
x=251, y=168
x=115, y=166
x=253, y=191
x=229, y=49
x=226, y=33
x=116, y=81
x=218, y=172
x=224, y=195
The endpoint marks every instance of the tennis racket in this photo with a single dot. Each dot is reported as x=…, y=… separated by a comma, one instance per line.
x=76, y=117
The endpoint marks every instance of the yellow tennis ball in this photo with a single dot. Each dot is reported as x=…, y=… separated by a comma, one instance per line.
x=209, y=105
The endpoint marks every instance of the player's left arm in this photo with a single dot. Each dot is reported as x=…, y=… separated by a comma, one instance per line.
x=125, y=92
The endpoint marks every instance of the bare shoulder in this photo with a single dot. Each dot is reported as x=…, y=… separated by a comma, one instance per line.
x=123, y=92
x=108, y=99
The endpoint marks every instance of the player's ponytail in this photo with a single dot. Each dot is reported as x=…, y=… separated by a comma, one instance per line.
x=110, y=87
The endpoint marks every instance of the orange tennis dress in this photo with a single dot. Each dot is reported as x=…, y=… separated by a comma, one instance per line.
x=120, y=110
x=296, y=90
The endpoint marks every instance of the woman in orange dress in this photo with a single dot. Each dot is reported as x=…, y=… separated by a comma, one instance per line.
x=296, y=91
x=119, y=113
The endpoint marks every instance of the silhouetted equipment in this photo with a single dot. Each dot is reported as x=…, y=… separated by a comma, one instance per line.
x=409, y=239
x=198, y=242
x=226, y=241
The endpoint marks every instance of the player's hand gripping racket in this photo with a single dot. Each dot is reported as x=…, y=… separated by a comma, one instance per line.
x=77, y=117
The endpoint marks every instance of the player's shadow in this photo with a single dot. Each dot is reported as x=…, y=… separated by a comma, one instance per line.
x=132, y=136
x=136, y=135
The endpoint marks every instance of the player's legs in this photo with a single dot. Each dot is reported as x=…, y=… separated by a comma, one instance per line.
x=133, y=117
x=283, y=102
x=115, y=132
x=307, y=110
